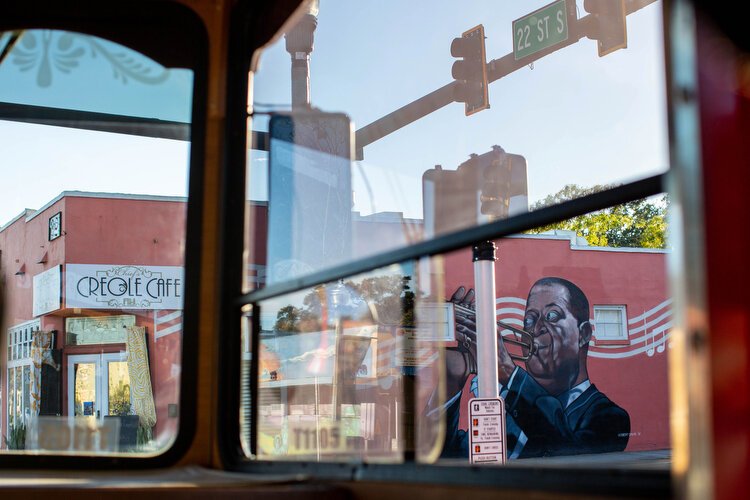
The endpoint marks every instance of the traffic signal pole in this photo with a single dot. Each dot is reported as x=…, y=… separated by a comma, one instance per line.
x=486, y=317
x=496, y=69
x=299, y=43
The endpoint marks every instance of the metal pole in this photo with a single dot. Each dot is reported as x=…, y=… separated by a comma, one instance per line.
x=484, y=285
x=299, y=44
x=300, y=80
x=496, y=69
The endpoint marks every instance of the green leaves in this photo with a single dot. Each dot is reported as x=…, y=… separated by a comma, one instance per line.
x=636, y=224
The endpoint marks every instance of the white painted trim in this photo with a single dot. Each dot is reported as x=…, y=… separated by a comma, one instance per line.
x=624, y=332
x=650, y=312
x=167, y=317
x=167, y=331
x=513, y=300
x=96, y=360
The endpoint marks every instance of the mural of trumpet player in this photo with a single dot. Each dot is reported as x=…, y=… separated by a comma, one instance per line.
x=552, y=408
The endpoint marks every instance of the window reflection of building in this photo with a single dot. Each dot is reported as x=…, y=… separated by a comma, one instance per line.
x=18, y=373
x=118, y=230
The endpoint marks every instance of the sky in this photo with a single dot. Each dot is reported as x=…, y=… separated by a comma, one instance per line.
x=577, y=118
x=78, y=72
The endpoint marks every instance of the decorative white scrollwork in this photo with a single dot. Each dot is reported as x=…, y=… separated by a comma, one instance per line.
x=46, y=50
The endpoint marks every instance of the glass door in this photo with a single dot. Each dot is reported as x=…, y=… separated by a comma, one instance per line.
x=98, y=385
x=116, y=396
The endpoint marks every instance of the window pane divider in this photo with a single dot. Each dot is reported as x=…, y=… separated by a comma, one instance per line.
x=643, y=188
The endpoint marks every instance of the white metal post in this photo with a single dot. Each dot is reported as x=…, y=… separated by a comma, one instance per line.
x=484, y=286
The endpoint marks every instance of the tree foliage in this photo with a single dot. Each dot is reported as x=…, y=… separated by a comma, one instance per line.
x=639, y=223
x=390, y=296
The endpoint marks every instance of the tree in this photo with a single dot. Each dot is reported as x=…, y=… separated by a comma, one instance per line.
x=287, y=319
x=390, y=295
x=639, y=223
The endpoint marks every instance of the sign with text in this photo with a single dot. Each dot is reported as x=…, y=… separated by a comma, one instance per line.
x=47, y=291
x=313, y=434
x=487, y=431
x=539, y=30
x=106, y=286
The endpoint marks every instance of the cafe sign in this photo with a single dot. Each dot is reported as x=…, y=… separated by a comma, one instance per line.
x=105, y=286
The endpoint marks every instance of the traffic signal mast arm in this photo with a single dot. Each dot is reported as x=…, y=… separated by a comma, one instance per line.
x=496, y=69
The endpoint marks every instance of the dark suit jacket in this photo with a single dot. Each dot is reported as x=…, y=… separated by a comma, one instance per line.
x=591, y=424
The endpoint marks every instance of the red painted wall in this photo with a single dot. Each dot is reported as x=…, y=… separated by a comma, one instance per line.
x=124, y=231
x=633, y=375
x=637, y=382
x=24, y=243
x=134, y=231
x=99, y=230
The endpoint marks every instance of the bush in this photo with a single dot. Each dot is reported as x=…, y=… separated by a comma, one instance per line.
x=16, y=439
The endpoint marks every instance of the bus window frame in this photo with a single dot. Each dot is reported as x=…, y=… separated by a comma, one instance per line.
x=187, y=47
x=529, y=475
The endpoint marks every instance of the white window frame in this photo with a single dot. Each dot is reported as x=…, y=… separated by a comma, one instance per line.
x=101, y=379
x=20, y=337
x=622, y=338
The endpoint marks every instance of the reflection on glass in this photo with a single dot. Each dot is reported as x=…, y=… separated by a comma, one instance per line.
x=11, y=398
x=309, y=209
x=336, y=362
x=47, y=68
x=117, y=124
x=118, y=388
x=593, y=313
x=26, y=392
x=583, y=332
x=18, y=410
x=422, y=167
x=85, y=390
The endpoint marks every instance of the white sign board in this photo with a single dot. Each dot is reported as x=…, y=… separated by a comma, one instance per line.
x=487, y=431
x=47, y=291
x=107, y=286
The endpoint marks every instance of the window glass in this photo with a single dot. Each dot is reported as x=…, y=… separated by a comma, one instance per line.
x=562, y=356
x=395, y=133
x=341, y=368
x=95, y=140
x=611, y=323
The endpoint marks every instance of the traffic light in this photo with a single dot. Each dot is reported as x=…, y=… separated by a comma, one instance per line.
x=485, y=187
x=470, y=71
x=504, y=190
x=611, y=30
x=495, y=185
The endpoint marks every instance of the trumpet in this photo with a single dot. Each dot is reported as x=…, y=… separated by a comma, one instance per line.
x=526, y=339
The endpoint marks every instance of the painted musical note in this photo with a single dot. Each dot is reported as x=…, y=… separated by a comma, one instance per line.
x=660, y=348
x=650, y=350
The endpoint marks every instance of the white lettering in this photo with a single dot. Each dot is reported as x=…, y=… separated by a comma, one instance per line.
x=543, y=26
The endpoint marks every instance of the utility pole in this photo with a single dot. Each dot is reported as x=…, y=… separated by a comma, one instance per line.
x=299, y=44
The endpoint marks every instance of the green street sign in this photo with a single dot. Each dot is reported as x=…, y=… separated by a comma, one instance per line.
x=539, y=30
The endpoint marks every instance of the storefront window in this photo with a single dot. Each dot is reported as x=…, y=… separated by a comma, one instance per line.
x=96, y=140
x=395, y=137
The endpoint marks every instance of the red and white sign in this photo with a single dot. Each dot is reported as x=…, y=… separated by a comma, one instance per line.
x=487, y=431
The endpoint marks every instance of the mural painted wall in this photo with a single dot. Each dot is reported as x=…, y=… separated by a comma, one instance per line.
x=630, y=370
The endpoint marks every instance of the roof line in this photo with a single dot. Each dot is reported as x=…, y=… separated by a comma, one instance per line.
x=30, y=213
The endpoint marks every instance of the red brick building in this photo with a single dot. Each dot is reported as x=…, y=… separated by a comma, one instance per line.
x=87, y=264
x=110, y=246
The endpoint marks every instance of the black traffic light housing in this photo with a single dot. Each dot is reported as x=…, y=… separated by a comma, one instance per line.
x=496, y=179
x=503, y=177
x=485, y=187
x=470, y=71
x=611, y=29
